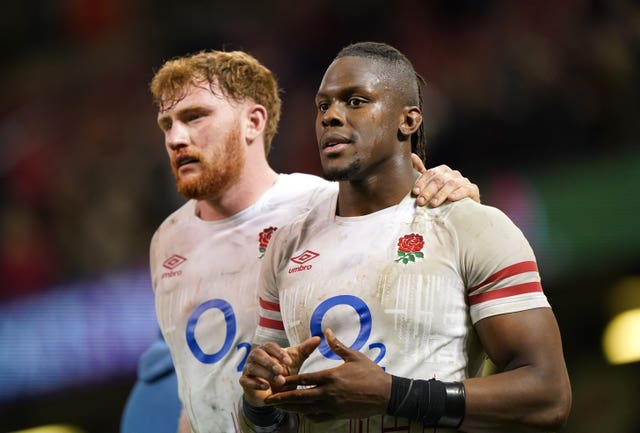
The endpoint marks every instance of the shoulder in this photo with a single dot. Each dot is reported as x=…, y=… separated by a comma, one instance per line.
x=175, y=219
x=299, y=191
x=469, y=216
x=480, y=228
x=466, y=206
x=306, y=224
x=322, y=212
x=187, y=210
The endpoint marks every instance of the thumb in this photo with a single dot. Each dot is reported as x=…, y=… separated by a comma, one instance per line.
x=340, y=349
x=302, y=351
x=309, y=345
x=418, y=163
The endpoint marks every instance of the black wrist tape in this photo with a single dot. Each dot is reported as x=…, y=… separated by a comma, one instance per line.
x=265, y=418
x=434, y=403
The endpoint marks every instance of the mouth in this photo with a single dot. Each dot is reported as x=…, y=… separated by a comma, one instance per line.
x=334, y=143
x=183, y=160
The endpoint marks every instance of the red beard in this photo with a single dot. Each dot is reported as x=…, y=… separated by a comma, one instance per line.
x=219, y=171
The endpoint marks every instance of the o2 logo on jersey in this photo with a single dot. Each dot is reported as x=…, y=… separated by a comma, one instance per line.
x=364, y=315
x=230, y=320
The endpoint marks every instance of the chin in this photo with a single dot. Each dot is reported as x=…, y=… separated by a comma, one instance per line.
x=191, y=187
x=342, y=173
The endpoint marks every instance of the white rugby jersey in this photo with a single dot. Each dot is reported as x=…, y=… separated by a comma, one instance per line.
x=205, y=276
x=403, y=285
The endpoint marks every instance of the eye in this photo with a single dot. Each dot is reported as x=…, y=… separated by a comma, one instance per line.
x=355, y=102
x=193, y=116
x=323, y=106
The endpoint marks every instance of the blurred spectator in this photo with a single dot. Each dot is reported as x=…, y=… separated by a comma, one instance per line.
x=27, y=257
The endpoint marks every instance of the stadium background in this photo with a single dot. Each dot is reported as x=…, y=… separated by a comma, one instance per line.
x=537, y=102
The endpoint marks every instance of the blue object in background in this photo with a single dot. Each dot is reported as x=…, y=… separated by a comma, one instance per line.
x=153, y=405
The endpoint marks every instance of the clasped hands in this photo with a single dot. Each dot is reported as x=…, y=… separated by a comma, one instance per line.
x=356, y=389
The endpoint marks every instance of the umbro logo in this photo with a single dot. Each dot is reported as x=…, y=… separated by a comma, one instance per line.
x=301, y=259
x=304, y=257
x=171, y=263
x=174, y=261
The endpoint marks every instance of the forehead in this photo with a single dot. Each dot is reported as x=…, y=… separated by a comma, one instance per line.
x=356, y=72
x=201, y=95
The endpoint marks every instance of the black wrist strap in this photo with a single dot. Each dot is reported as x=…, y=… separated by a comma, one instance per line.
x=265, y=419
x=434, y=403
x=454, y=406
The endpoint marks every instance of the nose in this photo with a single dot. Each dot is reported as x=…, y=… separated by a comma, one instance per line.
x=333, y=115
x=177, y=136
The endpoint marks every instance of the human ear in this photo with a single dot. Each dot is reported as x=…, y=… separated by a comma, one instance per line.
x=256, y=120
x=411, y=120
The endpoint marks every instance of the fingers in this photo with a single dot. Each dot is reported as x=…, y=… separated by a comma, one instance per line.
x=319, y=377
x=307, y=394
x=307, y=380
x=430, y=182
x=441, y=183
x=340, y=349
x=472, y=191
x=437, y=192
x=255, y=388
x=266, y=364
x=418, y=164
x=252, y=383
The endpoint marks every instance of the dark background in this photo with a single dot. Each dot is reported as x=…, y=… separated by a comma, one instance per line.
x=536, y=101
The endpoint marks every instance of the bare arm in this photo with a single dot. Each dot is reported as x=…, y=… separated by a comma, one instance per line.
x=532, y=386
x=530, y=393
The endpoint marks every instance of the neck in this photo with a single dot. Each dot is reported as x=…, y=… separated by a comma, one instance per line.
x=374, y=193
x=256, y=178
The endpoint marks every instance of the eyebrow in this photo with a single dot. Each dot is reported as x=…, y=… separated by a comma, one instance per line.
x=162, y=121
x=345, y=90
x=184, y=111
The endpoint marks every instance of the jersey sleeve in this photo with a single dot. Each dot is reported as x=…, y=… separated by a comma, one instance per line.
x=270, y=325
x=498, y=265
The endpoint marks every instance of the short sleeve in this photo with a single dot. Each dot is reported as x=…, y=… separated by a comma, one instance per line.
x=270, y=324
x=497, y=263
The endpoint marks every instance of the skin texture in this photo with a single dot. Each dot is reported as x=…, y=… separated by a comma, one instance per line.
x=215, y=147
x=206, y=171
x=357, y=137
x=358, y=118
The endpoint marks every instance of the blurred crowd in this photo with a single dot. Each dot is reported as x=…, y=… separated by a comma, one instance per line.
x=84, y=173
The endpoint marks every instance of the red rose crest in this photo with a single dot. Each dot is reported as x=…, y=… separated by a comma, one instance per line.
x=263, y=239
x=409, y=247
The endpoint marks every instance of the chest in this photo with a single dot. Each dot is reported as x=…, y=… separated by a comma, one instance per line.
x=386, y=278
